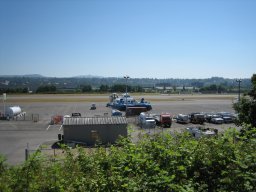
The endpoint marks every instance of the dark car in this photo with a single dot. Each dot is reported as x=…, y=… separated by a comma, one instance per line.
x=227, y=117
x=197, y=118
x=76, y=114
x=93, y=107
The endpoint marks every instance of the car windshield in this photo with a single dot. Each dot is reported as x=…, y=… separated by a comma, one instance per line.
x=166, y=118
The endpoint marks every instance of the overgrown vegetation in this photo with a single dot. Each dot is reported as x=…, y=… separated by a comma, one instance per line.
x=246, y=107
x=160, y=163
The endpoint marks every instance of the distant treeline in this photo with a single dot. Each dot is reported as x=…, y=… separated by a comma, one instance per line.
x=93, y=84
x=90, y=89
x=51, y=89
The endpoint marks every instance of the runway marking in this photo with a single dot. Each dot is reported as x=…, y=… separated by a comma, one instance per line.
x=48, y=127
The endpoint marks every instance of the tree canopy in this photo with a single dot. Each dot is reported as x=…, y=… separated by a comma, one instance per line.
x=246, y=107
x=46, y=89
x=159, y=163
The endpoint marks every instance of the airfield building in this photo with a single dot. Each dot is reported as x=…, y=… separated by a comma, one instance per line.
x=91, y=130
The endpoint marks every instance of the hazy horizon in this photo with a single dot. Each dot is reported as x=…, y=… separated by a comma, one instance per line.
x=95, y=76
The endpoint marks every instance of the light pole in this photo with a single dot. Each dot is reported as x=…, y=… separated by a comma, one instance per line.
x=126, y=78
x=4, y=99
x=239, y=86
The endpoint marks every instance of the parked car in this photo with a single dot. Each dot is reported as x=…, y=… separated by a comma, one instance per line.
x=227, y=117
x=198, y=132
x=184, y=119
x=116, y=112
x=217, y=119
x=197, y=118
x=93, y=106
x=208, y=117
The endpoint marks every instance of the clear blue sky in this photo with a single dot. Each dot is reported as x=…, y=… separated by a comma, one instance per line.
x=140, y=38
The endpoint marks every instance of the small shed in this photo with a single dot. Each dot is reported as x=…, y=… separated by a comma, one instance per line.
x=90, y=130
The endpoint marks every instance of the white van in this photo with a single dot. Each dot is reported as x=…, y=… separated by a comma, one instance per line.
x=146, y=121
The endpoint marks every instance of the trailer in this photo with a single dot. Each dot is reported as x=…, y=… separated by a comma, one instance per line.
x=12, y=111
x=134, y=111
x=146, y=121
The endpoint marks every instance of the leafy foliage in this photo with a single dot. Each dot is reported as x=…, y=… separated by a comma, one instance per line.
x=246, y=107
x=214, y=89
x=86, y=88
x=104, y=88
x=159, y=163
x=46, y=89
x=253, y=90
x=14, y=90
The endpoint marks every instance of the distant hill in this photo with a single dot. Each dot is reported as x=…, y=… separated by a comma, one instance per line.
x=87, y=76
x=28, y=75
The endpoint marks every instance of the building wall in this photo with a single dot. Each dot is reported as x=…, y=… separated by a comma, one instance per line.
x=89, y=134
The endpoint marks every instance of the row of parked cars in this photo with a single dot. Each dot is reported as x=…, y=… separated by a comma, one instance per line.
x=200, y=118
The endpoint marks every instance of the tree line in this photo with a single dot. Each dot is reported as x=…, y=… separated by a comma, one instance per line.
x=82, y=89
x=73, y=84
x=103, y=88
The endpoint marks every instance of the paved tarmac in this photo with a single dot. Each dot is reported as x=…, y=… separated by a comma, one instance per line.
x=16, y=135
x=13, y=143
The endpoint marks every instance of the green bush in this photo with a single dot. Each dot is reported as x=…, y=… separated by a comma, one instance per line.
x=159, y=163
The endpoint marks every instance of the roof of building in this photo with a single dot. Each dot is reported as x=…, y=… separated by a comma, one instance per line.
x=167, y=88
x=94, y=120
x=186, y=88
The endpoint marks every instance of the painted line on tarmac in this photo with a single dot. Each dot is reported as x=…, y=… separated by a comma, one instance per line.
x=48, y=127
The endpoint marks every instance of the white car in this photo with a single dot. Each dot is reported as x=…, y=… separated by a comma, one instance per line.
x=198, y=132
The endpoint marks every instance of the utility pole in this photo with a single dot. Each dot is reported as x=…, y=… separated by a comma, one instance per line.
x=239, y=88
x=4, y=99
x=126, y=78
